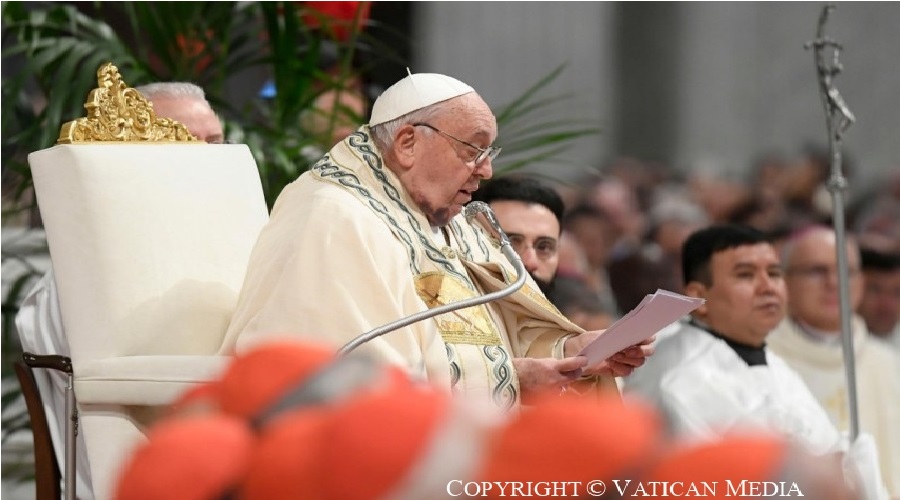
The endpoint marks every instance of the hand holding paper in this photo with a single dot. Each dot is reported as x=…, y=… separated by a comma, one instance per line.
x=651, y=315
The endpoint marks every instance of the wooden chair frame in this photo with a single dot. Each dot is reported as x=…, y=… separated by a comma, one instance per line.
x=47, y=474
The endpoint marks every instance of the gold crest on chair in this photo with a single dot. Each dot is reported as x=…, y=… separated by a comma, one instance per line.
x=118, y=113
x=150, y=231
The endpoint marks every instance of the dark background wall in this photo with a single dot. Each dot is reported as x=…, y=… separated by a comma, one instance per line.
x=700, y=85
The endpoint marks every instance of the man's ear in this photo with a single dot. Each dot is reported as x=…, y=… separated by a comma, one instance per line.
x=697, y=290
x=404, y=146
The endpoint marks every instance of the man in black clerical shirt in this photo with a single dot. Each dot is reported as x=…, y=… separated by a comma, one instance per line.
x=713, y=374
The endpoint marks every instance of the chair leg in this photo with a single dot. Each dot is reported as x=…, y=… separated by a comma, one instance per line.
x=71, y=432
x=47, y=474
x=63, y=364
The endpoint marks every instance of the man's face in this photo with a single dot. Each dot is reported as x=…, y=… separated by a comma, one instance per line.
x=443, y=176
x=880, y=305
x=812, y=280
x=533, y=231
x=197, y=117
x=746, y=299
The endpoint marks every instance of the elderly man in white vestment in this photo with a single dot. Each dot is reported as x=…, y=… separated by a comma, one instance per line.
x=373, y=232
x=809, y=340
x=39, y=322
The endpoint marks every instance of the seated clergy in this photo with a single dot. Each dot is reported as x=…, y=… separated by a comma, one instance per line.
x=715, y=375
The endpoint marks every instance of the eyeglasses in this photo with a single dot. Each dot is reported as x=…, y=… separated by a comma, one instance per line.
x=819, y=273
x=544, y=248
x=482, y=155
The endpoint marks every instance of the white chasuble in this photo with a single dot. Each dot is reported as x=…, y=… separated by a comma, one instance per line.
x=346, y=251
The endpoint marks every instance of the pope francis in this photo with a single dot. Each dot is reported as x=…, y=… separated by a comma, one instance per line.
x=373, y=233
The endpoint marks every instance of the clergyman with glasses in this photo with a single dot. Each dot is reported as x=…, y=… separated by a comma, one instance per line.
x=809, y=340
x=531, y=215
x=373, y=232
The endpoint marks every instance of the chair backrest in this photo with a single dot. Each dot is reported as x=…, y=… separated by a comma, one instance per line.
x=149, y=242
x=150, y=233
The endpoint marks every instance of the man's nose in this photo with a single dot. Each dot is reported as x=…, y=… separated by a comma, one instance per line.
x=831, y=278
x=529, y=258
x=767, y=283
x=485, y=169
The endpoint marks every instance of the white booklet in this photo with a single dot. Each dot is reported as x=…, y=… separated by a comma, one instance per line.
x=653, y=313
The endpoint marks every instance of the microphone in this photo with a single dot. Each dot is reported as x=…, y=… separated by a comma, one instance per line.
x=476, y=210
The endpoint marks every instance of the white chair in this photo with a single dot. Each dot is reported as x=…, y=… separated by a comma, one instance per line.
x=149, y=243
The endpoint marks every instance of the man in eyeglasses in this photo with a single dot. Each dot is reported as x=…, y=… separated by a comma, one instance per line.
x=373, y=232
x=531, y=215
x=809, y=340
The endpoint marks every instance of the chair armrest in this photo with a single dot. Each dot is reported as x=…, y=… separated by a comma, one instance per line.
x=144, y=380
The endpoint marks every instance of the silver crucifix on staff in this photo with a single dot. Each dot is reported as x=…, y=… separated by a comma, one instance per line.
x=838, y=119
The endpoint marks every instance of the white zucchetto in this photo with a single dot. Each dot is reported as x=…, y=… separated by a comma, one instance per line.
x=415, y=92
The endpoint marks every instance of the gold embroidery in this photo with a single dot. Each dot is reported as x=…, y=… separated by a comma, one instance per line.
x=117, y=113
x=471, y=325
x=540, y=299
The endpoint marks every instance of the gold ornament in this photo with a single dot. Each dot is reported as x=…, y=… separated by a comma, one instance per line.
x=118, y=113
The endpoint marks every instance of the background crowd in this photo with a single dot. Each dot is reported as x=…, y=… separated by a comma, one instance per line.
x=625, y=222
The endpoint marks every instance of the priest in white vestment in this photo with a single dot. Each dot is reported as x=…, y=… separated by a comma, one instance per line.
x=373, y=233
x=809, y=340
x=714, y=375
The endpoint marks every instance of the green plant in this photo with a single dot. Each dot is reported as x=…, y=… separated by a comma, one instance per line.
x=214, y=44
x=528, y=138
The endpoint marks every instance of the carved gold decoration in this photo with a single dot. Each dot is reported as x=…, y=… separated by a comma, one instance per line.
x=117, y=113
x=471, y=325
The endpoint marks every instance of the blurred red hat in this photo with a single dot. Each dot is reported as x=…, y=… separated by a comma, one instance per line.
x=753, y=458
x=258, y=378
x=574, y=439
x=375, y=445
x=287, y=462
x=197, y=458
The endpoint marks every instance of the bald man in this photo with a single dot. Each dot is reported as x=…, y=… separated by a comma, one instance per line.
x=809, y=340
x=38, y=321
x=185, y=103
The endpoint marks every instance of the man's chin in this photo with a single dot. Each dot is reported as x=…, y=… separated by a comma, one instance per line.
x=441, y=217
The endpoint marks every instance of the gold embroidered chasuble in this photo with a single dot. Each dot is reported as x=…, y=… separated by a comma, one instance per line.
x=346, y=250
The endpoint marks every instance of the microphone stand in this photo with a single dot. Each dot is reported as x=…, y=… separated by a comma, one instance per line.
x=838, y=119
x=474, y=210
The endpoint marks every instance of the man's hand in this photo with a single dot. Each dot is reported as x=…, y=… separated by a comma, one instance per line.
x=540, y=375
x=620, y=364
